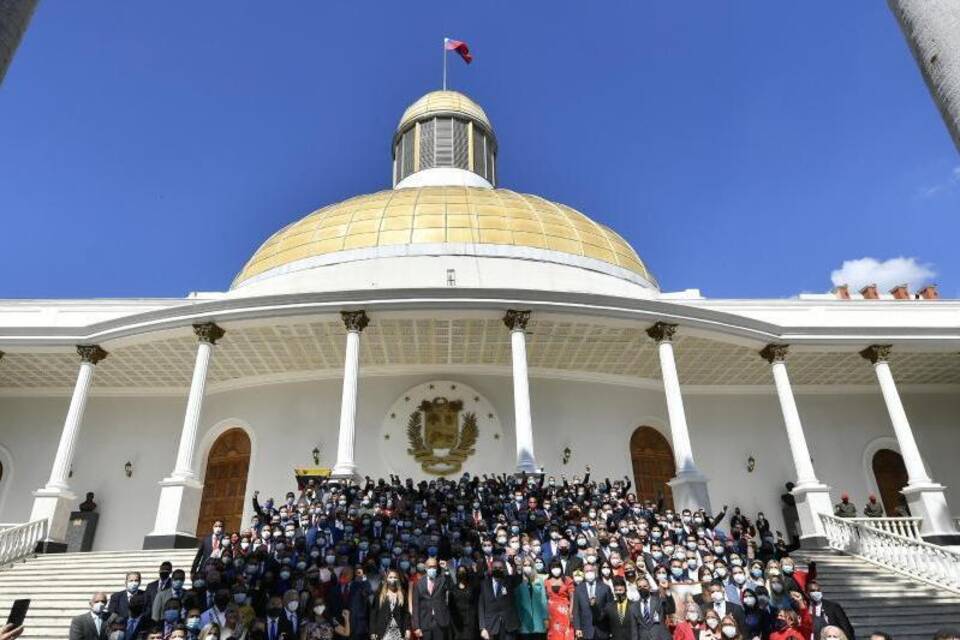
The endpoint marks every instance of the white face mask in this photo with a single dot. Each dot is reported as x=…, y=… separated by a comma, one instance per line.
x=319, y=609
x=730, y=631
x=98, y=607
x=555, y=572
x=693, y=616
x=713, y=623
x=292, y=606
x=717, y=596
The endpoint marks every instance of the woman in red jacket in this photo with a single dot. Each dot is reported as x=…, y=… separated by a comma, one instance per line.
x=689, y=628
x=786, y=626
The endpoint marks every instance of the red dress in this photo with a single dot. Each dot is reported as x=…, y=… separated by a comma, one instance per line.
x=559, y=608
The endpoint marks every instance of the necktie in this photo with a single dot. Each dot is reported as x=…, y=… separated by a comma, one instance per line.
x=97, y=622
x=645, y=608
x=496, y=588
x=429, y=586
x=622, y=605
x=273, y=629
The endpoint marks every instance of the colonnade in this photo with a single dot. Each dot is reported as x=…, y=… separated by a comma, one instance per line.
x=180, y=492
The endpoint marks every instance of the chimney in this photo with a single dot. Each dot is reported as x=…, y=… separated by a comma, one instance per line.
x=929, y=292
x=842, y=291
x=900, y=292
x=869, y=292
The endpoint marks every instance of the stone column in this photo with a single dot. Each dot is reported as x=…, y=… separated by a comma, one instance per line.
x=355, y=321
x=689, y=486
x=53, y=501
x=517, y=321
x=925, y=497
x=180, y=494
x=812, y=497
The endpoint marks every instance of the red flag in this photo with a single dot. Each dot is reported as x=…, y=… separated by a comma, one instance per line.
x=460, y=47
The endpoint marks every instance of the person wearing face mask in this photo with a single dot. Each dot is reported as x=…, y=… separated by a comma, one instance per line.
x=531, y=602
x=119, y=604
x=729, y=630
x=276, y=622
x=175, y=590
x=139, y=619
x=162, y=582
x=711, y=626
x=620, y=615
x=211, y=546
x=757, y=619
x=826, y=612
x=218, y=612
x=357, y=602
x=91, y=625
x=430, y=597
x=779, y=596
x=717, y=602
x=390, y=618
x=786, y=626
x=589, y=600
x=559, y=589
x=464, y=612
x=689, y=628
x=496, y=610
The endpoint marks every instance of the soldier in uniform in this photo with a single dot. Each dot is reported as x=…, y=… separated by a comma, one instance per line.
x=845, y=508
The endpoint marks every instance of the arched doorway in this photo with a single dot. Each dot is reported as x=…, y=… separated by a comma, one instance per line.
x=653, y=464
x=225, y=482
x=891, y=477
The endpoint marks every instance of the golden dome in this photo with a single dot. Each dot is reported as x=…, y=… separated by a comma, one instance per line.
x=437, y=215
x=443, y=102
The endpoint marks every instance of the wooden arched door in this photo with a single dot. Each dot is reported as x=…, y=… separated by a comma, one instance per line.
x=225, y=482
x=891, y=476
x=653, y=464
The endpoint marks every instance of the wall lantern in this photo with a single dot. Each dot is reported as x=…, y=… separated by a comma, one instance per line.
x=751, y=464
x=316, y=455
x=566, y=455
x=128, y=468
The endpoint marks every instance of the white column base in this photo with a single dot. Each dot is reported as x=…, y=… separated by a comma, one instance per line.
x=344, y=472
x=177, y=513
x=812, y=500
x=927, y=501
x=690, y=492
x=54, y=506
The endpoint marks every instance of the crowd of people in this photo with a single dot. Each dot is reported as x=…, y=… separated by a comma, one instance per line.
x=478, y=558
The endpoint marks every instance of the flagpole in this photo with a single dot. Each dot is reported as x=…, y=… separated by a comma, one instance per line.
x=444, y=64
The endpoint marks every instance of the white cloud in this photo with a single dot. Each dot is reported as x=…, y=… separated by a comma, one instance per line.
x=948, y=184
x=887, y=274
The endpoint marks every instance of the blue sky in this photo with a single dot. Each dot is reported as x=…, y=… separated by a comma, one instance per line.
x=745, y=148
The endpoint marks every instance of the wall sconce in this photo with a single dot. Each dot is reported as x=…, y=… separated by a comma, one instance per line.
x=128, y=468
x=751, y=464
x=316, y=455
x=566, y=455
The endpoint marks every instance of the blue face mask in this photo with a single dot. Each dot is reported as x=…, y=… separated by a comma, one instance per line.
x=176, y=585
x=171, y=615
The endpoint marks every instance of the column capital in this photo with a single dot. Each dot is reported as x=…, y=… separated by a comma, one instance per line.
x=877, y=353
x=774, y=352
x=662, y=331
x=516, y=320
x=355, y=320
x=208, y=332
x=91, y=353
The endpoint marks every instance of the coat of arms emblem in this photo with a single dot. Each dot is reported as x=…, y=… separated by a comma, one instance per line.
x=441, y=435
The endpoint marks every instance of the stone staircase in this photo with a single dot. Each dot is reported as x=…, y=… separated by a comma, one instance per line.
x=879, y=600
x=60, y=585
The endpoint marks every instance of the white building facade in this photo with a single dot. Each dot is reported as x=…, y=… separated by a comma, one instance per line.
x=448, y=326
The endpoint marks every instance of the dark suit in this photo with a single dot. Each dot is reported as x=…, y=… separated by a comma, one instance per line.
x=82, y=627
x=155, y=587
x=497, y=612
x=282, y=626
x=380, y=617
x=732, y=609
x=651, y=623
x=120, y=603
x=136, y=625
x=430, y=612
x=204, y=551
x=621, y=628
x=827, y=613
x=587, y=618
x=358, y=602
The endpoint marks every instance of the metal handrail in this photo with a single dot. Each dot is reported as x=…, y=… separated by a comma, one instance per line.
x=915, y=558
x=19, y=541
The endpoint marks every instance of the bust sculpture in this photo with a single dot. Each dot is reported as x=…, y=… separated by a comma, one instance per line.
x=88, y=505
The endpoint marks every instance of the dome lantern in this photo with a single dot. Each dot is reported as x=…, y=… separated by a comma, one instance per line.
x=444, y=139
